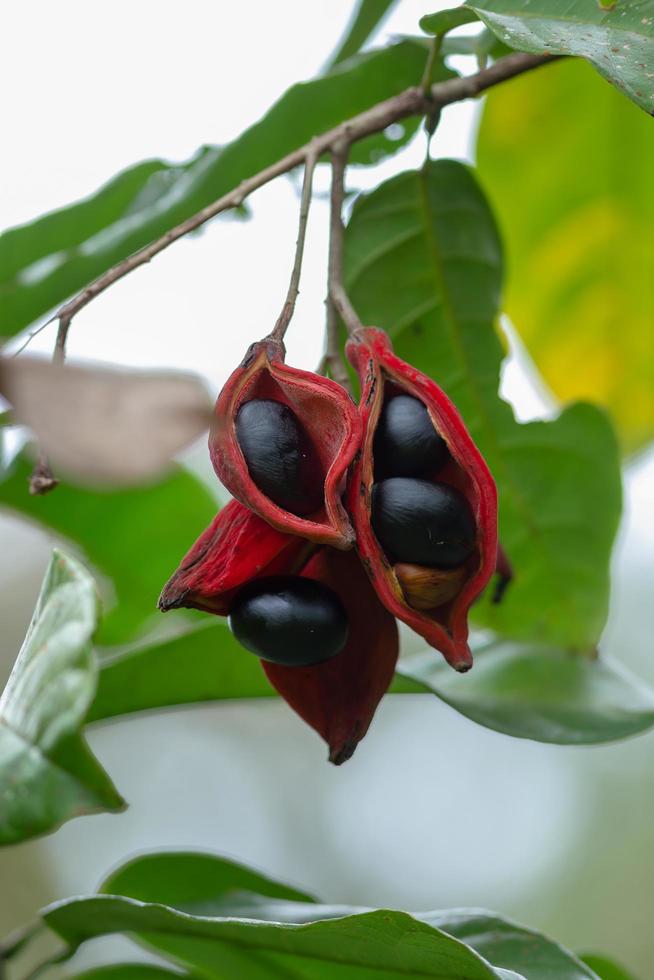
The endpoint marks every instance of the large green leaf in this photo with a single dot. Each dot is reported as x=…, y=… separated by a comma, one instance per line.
x=137, y=537
x=545, y=694
x=265, y=935
x=47, y=773
x=618, y=39
x=43, y=262
x=368, y=944
x=205, y=884
x=606, y=969
x=575, y=206
x=193, y=882
x=366, y=17
x=423, y=260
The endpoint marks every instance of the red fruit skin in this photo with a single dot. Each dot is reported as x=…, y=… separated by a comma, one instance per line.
x=338, y=698
x=238, y=546
x=445, y=628
x=331, y=420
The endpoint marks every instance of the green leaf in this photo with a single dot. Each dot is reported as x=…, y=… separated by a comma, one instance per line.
x=509, y=945
x=619, y=42
x=447, y=20
x=137, y=537
x=47, y=772
x=423, y=260
x=266, y=934
x=606, y=969
x=548, y=695
x=367, y=16
x=581, y=290
x=527, y=691
x=47, y=260
x=131, y=971
x=200, y=884
x=389, y=943
x=203, y=664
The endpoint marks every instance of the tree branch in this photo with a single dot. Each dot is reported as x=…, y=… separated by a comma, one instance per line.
x=284, y=319
x=411, y=102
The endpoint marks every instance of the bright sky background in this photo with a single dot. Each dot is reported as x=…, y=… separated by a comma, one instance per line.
x=90, y=89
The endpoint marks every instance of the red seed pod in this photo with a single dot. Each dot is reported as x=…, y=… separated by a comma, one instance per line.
x=238, y=546
x=383, y=376
x=330, y=429
x=338, y=698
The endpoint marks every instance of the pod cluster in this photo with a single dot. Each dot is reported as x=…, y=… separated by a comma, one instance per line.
x=344, y=519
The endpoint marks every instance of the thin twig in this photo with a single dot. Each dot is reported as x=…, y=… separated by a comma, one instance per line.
x=288, y=308
x=434, y=51
x=337, y=293
x=332, y=359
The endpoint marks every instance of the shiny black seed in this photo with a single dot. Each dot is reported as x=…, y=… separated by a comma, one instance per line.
x=422, y=523
x=406, y=442
x=289, y=620
x=280, y=456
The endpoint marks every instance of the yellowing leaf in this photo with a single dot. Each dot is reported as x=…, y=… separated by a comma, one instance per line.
x=567, y=165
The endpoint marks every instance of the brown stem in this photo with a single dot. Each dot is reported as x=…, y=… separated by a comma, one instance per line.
x=337, y=293
x=285, y=316
x=332, y=358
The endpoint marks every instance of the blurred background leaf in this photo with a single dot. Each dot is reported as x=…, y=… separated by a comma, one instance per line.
x=47, y=772
x=136, y=537
x=575, y=209
x=423, y=260
x=616, y=37
x=203, y=664
x=367, y=16
x=606, y=969
x=45, y=261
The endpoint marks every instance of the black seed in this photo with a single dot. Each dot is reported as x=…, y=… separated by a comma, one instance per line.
x=289, y=620
x=406, y=442
x=280, y=457
x=422, y=523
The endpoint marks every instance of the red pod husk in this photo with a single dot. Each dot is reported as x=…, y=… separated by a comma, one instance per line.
x=338, y=698
x=382, y=373
x=238, y=546
x=331, y=421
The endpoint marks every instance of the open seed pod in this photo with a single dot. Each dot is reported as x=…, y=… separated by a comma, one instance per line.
x=237, y=547
x=338, y=698
x=431, y=596
x=290, y=435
